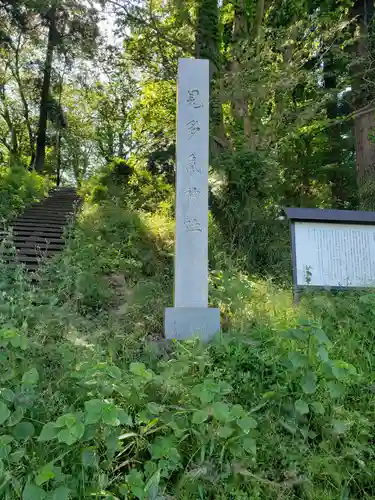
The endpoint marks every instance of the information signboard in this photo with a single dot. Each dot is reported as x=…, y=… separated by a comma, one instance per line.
x=332, y=249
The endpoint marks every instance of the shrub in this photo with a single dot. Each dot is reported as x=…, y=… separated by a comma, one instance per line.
x=132, y=183
x=18, y=188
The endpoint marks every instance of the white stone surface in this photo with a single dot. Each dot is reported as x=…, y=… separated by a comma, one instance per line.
x=186, y=322
x=191, y=253
x=335, y=255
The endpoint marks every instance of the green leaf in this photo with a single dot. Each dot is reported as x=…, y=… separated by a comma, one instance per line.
x=4, y=412
x=7, y=394
x=89, y=458
x=297, y=359
x=30, y=378
x=6, y=439
x=342, y=370
x=301, y=407
x=205, y=395
x=336, y=389
x=15, y=417
x=323, y=354
x=318, y=408
x=93, y=411
x=338, y=371
x=339, y=426
x=5, y=447
x=49, y=432
x=33, y=492
x=225, y=431
x=23, y=430
x=152, y=486
x=237, y=412
x=67, y=420
x=5, y=450
x=61, y=493
x=249, y=445
x=19, y=341
x=45, y=474
x=136, y=484
x=200, y=416
x=220, y=411
x=2, y=469
x=110, y=415
x=295, y=334
x=164, y=447
x=308, y=383
x=247, y=424
x=124, y=418
x=17, y=455
x=114, y=372
x=72, y=434
x=321, y=337
x=154, y=408
x=289, y=426
x=140, y=370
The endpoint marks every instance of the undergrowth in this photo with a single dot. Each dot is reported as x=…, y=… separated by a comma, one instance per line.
x=93, y=404
x=19, y=188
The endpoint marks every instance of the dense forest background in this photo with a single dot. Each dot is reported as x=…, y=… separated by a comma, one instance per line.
x=292, y=93
x=87, y=85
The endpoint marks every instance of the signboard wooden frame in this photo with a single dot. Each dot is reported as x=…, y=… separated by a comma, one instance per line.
x=349, y=218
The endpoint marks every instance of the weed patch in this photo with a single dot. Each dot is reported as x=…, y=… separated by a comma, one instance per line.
x=280, y=406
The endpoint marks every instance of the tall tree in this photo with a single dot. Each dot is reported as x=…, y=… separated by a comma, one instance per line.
x=70, y=24
x=207, y=46
x=362, y=13
x=51, y=17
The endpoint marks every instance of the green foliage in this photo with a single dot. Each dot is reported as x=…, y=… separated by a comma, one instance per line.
x=132, y=182
x=278, y=406
x=19, y=188
x=262, y=421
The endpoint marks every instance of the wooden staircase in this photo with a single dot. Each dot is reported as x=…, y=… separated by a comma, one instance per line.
x=37, y=234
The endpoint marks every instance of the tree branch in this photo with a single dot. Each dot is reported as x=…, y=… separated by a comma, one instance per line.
x=152, y=25
x=369, y=108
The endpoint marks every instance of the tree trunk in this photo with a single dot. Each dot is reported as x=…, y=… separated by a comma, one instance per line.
x=43, y=113
x=58, y=158
x=335, y=141
x=364, y=124
x=240, y=104
x=26, y=111
x=259, y=21
x=207, y=46
x=13, y=145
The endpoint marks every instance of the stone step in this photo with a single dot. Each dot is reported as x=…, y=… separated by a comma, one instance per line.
x=37, y=234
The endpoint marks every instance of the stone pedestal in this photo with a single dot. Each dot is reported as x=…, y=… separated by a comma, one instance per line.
x=185, y=322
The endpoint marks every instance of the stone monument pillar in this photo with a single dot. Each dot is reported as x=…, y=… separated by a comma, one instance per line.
x=190, y=314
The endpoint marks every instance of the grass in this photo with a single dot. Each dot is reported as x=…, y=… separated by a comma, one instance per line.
x=93, y=405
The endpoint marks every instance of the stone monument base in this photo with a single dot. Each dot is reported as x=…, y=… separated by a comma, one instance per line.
x=181, y=323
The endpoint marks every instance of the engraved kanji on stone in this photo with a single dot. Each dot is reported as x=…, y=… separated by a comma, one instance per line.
x=192, y=166
x=193, y=128
x=193, y=99
x=192, y=192
x=192, y=225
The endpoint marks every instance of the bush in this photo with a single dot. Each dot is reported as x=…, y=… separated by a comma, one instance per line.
x=18, y=188
x=131, y=183
x=246, y=203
